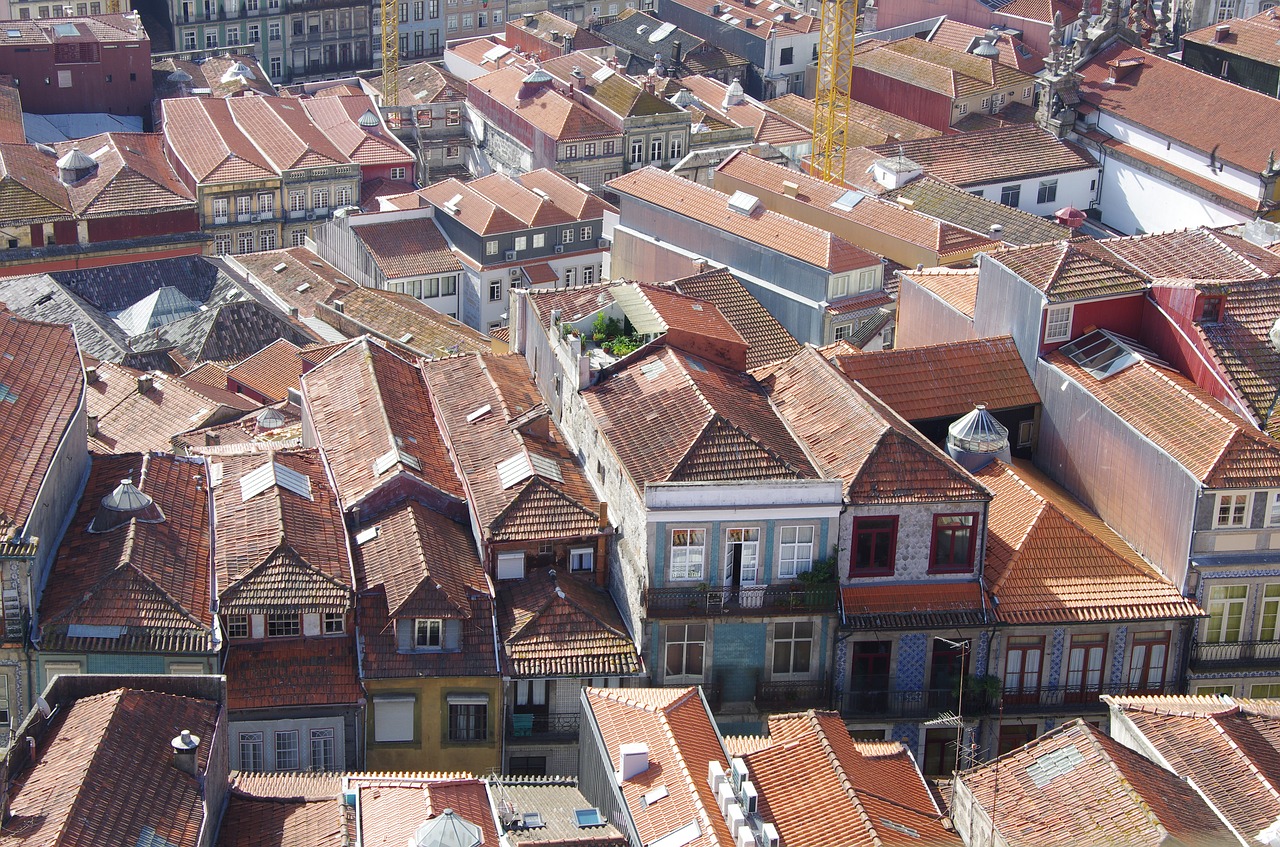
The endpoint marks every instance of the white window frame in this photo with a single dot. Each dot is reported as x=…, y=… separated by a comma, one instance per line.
x=1225, y=609
x=1055, y=328
x=285, y=735
x=323, y=759
x=1239, y=505
x=428, y=634
x=749, y=538
x=1273, y=508
x=689, y=544
x=582, y=560
x=253, y=743
x=795, y=556
x=784, y=633
x=393, y=719
x=1270, y=609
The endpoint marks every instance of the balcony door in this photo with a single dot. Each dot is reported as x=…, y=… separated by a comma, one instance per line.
x=741, y=556
x=869, y=676
x=1084, y=667
x=1147, y=662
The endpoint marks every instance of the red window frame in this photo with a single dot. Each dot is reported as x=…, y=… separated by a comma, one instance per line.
x=1146, y=673
x=860, y=526
x=939, y=532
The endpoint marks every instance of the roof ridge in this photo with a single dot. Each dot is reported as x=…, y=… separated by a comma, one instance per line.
x=1031, y=525
x=89, y=760
x=833, y=759
x=1244, y=754
x=1128, y=787
x=690, y=785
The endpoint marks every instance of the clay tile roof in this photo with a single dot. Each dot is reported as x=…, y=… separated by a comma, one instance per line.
x=769, y=230
x=245, y=435
x=574, y=302
x=767, y=24
x=424, y=82
x=1216, y=446
x=382, y=659
x=1049, y=559
x=301, y=268
x=42, y=381
x=408, y=248
x=936, y=68
x=1074, y=784
x=370, y=408
x=1256, y=38
x=284, y=546
x=133, y=177
x=945, y=380
x=1241, y=343
x=393, y=807
x=11, y=129
x=562, y=626
x=770, y=126
x=821, y=788
x=272, y=371
x=408, y=324
x=994, y=155
x=522, y=480
x=145, y=574
x=890, y=606
x=957, y=287
x=207, y=142
x=557, y=798
x=82, y=787
x=287, y=785
x=282, y=673
x=252, y=821
x=867, y=124
x=854, y=437
x=546, y=110
x=1075, y=269
x=1160, y=93
x=1014, y=52
x=672, y=417
x=767, y=340
x=1200, y=253
x=938, y=199
x=682, y=739
x=208, y=373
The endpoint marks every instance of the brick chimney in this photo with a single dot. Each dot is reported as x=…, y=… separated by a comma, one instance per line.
x=145, y=383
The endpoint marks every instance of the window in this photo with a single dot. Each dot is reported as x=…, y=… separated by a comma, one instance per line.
x=527, y=765
x=266, y=205
x=637, y=150
x=571, y=151
x=393, y=718
x=1232, y=511
x=583, y=559
x=585, y=233
x=792, y=648
x=522, y=242
x=404, y=12
x=741, y=555
x=343, y=196
x=1084, y=667
x=1270, y=612
x=283, y=624
x=1026, y=93
x=1146, y=662
x=334, y=622
x=287, y=750
x=244, y=242
x=320, y=199
x=1057, y=324
x=255, y=33
x=429, y=634
x=237, y=626
x=874, y=543
x=398, y=173
x=466, y=21
x=189, y=40
x=452, y=151
x=1210, y=309
x=686, y=645
x=1048, y=191
x=1265, y=691
x=785, y=56
x=843, y=331
x=962, y=108
x=539, y=240
x=1226, y=10
x=607, y=148
x=656, y=147
x=4, y=702
x=221, y=245
x=953, y=543
x=419, y=10
x=220, y=212
x=688, y=548
x=469, y=718
x=839, y=287
x=491, y=247
x=233, y=37
x=1226, y=613
x=251, y=751
x=1026, y=433
x=452, y=117
x=1010, y=195
x=589, y=275
x=298, y=238
x=297, y=201
x=567, y=236
x=267, y=239
x=322, y=750
x=244, y=207
x=210, y=40
x=451, y=22
x=495, y=290
x=1023, y=659
x=1216, y=690
x=589, y=149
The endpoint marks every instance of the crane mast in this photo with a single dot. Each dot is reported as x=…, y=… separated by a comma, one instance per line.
x=390, y=53
x=835, y=79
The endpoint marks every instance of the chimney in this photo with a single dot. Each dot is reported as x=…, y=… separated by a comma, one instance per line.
x=91, y=374
x=530, y=20
x=700, y=265
x=212, y=439
x=184, y=752
x=568, y=43
x=716, y=10
x=635, y=759
x=1220, y=32
x=676, y=48
x=293, y=312
x=790, y=189
x=145, y=383
x=91, y=424
x=604, y=516
x=338, y=306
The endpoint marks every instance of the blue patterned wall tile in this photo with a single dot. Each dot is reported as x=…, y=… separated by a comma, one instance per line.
x=1056, y=652
x=912, y=650
x=1117, y=657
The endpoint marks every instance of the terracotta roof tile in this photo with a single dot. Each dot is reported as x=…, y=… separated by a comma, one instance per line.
x=1014, y=52
x=566, y=626
x=272, y=371
x=995, y=155
x=771, y=231
x=211, y=73
x=287, y=785
x=544, y=109
x=1049, y=559
x=204, y=137
x=1200, y=253
x=208, y=373
x=767, y=340
x=944, y=380
x=856, y=438
x=1090, y=789
x=1076, y=269
x=682, y=740
x=304, y=280
x=274, y=822
x=938, y=199
x=768, y=125
x=339, y=119
x=11, y=130
x=408, y=248
x=103, y=773
x=672, y=417
x=936, y=68
x=1214, y=445
x=1256, y=38
x=151, y=575
x=42, y=381
x=1241, y=342
x=957, y=287
x=424, y=82
x=1160, y=93
x=767, y=26
x=252, y=433
x=393, y=316
x=913, y=605
x=284, y=673
x=367, y=403
x=867, y=124
x=393, y=807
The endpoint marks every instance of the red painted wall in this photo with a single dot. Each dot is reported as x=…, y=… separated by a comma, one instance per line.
x=1122, y=315
x=92, y=260
x=128, y=64
x=902, y=99
x=138, y=226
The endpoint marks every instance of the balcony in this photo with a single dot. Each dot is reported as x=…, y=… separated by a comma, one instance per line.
x=542, y=727
x=929, y=703
x=783, y=599
x=793, y=696
x=1236, y=654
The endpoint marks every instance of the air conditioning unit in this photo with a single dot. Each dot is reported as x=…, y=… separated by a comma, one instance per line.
x=511, y=255
x=769, y=835
x=311, y=216
x=738, y=773
x=750, y=797
x=515, y=273
x=255, y=219
x=603, y=244
x=746, y=838
x=559, y=248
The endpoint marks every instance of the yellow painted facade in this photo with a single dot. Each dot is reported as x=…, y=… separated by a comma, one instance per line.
x=431, y=749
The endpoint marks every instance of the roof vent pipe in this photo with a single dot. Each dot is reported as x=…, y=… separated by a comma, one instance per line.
x=184, y=751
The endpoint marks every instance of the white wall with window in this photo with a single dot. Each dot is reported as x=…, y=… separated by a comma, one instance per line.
x=1043, y=195
x=307, y=744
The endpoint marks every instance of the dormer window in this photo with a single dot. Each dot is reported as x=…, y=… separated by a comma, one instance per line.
x=429, y=634
x=1210, y=309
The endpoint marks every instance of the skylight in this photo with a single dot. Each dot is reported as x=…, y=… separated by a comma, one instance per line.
x=1104, y=354
x=7, y=394
x=661, y=32
x=1052, y=765
x=897, y=827
x=364, y=536
x=652, y=368
x=272, y=473
x=388, y=460
x=848, y=200
x=522, y=465
x=588, y=817
x=602, y=74
x=479, y=413
x=653, y=795
x=744, y=203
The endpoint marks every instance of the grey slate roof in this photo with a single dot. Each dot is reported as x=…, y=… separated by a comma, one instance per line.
x=41, y=298
x=936, y=199
x=229, y=332
x=117, y=287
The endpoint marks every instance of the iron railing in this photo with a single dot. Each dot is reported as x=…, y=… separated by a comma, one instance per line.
x=746, y=600
x=1235, y=654
x=924, y=704
x=542, y=726
x=793, y=696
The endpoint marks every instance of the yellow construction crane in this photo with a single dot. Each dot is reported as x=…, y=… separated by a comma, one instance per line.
x=835, y=79
x=390, y=54
x=113, y=7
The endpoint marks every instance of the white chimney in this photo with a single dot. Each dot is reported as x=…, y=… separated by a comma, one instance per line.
x=184, y=751
x=635, y=759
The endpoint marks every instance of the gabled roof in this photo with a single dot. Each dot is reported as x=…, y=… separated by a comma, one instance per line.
x=1076, y=785
x=682, y=739
x=407, y=248
x=1014, y=52
x=274, y=810
x=888, y=606
x=562, y=625
x=296, y=275
x=339, y=119
x=770, y=23
x=1074, y=269
x=543, y=108
x=408, y=324
x=1216, y=446
x=114, y=27
x=853, y=436
x=768, y=125
x=867, y=124
x=936, y=68
x=523, y=481
x=422, y=83
x=81, y=787
x=227, y=330
x=1256, y=38
x=823, y=789
x=769, y=230
x=1159, y=93
x=1241, y=343
x=993, y=155
x=272, y=371
x=284, y=673
x=393, y=806
x=280, y=538
x=149, y=578
x=671, y=417
x=499, y=203
x=372, y=415
x=41, y=384
x=11, y=129
x=204, y=137
x=615, y=94
x=937, y=199
x=944, y=380
x=1228, y=748
x=133, y=177
x=224, y=75
x=1050, y=560
x=767, y=340
x=42, y=298
x=1201, y=253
